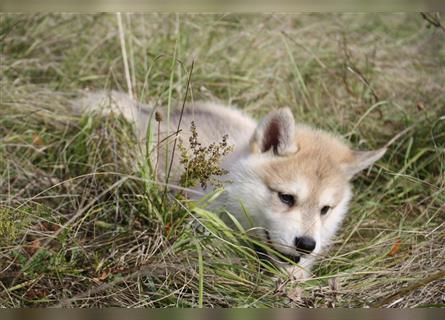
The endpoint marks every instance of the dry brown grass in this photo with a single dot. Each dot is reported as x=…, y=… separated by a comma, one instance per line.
x=80, y=226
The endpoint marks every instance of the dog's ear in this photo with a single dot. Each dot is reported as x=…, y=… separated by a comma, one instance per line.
x=276, y=133
x=360, y=160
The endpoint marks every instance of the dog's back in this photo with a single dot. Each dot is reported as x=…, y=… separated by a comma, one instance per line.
x=212, y=121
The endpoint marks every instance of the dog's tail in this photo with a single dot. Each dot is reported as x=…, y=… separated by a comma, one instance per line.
x=105, y=102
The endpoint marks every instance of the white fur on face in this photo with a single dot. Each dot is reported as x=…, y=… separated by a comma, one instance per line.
x=335, y=217
x=327, y=197
x=299, y=188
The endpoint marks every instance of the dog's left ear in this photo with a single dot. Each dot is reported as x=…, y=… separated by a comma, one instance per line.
x=276, y=133
x=360, y=160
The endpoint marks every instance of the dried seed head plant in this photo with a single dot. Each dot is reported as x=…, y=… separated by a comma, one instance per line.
x=202, y=163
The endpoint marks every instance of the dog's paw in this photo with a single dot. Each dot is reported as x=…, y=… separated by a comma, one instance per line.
x=289, y=289
x=297, y=273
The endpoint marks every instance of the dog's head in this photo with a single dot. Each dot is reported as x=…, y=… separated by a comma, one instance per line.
x=295, y=183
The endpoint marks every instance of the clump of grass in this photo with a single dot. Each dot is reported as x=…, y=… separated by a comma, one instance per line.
x=202, y=163
x=9, y=226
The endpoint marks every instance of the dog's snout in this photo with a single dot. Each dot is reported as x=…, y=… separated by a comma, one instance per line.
x=305, y=244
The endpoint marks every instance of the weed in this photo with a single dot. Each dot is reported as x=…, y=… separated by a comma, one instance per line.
x=202, y=163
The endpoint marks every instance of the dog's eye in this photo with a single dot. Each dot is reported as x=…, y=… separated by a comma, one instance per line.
x=325, y=210
x=287, y=199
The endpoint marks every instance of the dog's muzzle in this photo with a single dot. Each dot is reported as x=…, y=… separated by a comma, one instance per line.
x=265, y=255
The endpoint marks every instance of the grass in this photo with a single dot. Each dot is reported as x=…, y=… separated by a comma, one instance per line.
x=81, y=226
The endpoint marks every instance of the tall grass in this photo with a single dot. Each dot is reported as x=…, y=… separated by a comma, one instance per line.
x=82, y=225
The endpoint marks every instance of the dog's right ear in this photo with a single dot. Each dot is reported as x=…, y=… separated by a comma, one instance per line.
x=360, y=160
x=276, y=133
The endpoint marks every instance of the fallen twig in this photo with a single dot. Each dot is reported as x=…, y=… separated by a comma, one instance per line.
x=404, y=291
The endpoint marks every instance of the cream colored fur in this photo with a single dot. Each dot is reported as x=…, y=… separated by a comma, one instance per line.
x=270, y=157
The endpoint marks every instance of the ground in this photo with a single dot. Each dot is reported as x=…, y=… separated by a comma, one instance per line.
x=81, y=225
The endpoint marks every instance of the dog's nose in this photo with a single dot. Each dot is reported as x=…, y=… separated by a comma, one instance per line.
x=305, y=244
